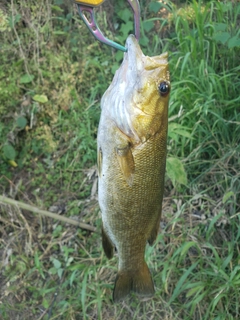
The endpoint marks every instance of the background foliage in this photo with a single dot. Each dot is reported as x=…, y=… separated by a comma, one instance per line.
x=52, y=76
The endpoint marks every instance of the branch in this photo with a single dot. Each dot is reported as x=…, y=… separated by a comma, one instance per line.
x=46, y=213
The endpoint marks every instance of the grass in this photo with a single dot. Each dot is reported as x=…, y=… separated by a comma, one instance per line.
x=51, y=82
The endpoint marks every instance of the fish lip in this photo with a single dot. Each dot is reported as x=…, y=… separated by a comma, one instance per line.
x=131, y=39
x=133, y=58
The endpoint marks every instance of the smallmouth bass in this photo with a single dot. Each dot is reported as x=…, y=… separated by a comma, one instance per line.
x=132, y=137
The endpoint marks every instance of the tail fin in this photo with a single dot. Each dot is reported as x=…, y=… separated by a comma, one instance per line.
x=139, y=281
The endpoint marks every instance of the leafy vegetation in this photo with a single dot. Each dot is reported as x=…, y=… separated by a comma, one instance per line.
x=52, y=76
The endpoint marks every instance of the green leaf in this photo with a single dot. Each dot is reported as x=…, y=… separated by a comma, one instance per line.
x=210, y=230
x=175, y=129
x=126, y=28
x=218, y=298
x=59, y=33
x=186, y=246
x=26, y=78
x=56, y=263
x=148, y=25
x=36, y=260
x=184, y=62
x=114, y=68
x=73, y=277
x=196, y=289
x=155, y=6
x=221, y=37
x=14, y=20
x=227, y=196
x=227, y=6
x=9, y=152
x=57, y=8
x=220, y=26
x=125, y=15
x=59, y=2
x=57, y=231
x=144, y=41
x=40, y=98
x=84, y=291
x=176, y=171
x=21, y=122
x=234, y=42
x=118, y=56
x=60, y=272
x=45, y=303
x=52, y=271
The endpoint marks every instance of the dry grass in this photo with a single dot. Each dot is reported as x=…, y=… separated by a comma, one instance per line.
x=55, y=271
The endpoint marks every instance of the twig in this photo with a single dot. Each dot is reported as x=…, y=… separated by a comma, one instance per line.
x=46, y=213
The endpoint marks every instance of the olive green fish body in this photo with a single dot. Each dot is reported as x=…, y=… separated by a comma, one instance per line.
x=132, y=138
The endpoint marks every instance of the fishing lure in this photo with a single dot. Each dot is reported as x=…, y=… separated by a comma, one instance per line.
x=87, y=6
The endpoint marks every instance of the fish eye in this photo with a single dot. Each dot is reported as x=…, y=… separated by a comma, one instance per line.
x=164, y=88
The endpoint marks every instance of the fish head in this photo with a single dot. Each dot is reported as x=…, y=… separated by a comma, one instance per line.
x=137, y=99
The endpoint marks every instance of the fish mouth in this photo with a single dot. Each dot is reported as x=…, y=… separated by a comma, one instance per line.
x=135, y=62
x=132, y=65
x=134, y=56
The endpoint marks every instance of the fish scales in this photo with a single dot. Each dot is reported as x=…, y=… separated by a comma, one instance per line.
x=132, y=138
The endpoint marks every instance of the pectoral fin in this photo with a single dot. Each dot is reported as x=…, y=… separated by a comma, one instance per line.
x=126, y=162
x=99, y=162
